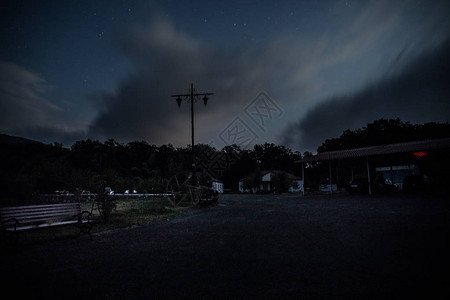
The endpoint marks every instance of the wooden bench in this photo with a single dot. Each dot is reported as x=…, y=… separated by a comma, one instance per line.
x=22, y=218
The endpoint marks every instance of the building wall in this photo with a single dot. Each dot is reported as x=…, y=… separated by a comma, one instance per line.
x=218, y=186
x=266, y=178
x=297, y=186
x=241, y=188
x=396, y=174
x=326, y=187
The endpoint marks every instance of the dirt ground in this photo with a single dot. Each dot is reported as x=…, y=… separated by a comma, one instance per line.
x=252, y=247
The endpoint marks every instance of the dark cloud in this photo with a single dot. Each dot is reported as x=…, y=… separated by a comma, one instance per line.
x=167, y=62
x=419, y=93
x=294, y=72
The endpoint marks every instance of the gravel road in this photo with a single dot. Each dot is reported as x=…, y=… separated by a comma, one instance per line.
x=253, y=247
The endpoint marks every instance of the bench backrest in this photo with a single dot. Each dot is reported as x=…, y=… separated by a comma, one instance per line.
x=40, y=213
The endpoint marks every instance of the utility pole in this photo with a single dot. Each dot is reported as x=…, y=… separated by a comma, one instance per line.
x=192, y=97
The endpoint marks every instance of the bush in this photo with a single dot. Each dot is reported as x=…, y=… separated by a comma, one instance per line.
x=105, y=204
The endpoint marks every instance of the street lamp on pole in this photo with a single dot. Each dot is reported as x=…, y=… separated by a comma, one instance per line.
x=191, y=97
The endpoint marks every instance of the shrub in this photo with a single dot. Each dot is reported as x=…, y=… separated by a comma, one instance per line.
x=105, y=204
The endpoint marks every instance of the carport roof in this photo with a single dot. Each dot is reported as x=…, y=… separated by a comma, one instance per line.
x=380, y=150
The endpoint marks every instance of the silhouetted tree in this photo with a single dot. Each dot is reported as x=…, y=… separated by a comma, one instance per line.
x=385, y=131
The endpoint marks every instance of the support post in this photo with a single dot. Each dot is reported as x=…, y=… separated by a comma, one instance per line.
x=303, y=178
x=192, y=127
x=191, y=96
x=337, y=177
x=392, y=175
x=368, y=176
x=331, y=186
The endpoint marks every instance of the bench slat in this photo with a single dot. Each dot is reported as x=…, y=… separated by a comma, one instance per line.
x=41, y=220
x=46, y=225
x=40, y=213
x=39, y=209
x=44, y=216
x=17, y=211
x=8, y=208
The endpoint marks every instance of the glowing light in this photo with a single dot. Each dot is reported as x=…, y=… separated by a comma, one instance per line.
x=420, y=154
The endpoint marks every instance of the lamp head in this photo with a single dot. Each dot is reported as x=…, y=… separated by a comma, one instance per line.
x=179, y=101
x=205, y=100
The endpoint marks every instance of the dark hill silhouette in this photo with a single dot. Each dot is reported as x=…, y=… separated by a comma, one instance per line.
x=10, y=139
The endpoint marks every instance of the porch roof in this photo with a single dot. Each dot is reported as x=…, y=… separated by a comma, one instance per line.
x=414, y=146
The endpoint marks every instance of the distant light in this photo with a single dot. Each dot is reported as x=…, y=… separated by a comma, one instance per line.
x=420, y=154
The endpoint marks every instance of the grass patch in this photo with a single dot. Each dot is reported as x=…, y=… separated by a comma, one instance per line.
x=128, y=212
x=131, y=212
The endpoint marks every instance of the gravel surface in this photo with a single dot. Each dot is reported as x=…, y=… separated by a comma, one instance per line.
x=252, y=247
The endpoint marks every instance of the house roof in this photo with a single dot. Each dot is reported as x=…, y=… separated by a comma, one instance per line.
x=380, y=150
x=290, y=175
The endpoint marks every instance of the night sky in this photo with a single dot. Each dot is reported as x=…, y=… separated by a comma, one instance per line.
x=288, y=72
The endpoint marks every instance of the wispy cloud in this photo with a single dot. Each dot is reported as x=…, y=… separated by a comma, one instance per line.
x=420, y=93
x=24, y=108
x=22, y=101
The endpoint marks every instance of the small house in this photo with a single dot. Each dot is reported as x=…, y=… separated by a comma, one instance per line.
x=271, y=181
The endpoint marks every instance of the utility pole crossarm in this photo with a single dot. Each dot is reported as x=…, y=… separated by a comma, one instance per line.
x=187, y=95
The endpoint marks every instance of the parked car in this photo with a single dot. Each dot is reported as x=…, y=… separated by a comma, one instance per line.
x=384, y=186
x=361, y=185
x=416, y=184
x=358, y=185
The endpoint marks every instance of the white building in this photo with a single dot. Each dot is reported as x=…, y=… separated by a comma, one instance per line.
x=217, y=185
x=267, y=184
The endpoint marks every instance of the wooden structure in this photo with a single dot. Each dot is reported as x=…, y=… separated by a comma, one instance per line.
x=183, y=189
x=430, y=153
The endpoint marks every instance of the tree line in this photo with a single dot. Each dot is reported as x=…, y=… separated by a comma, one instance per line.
x=29, y=169
x=385, y=131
